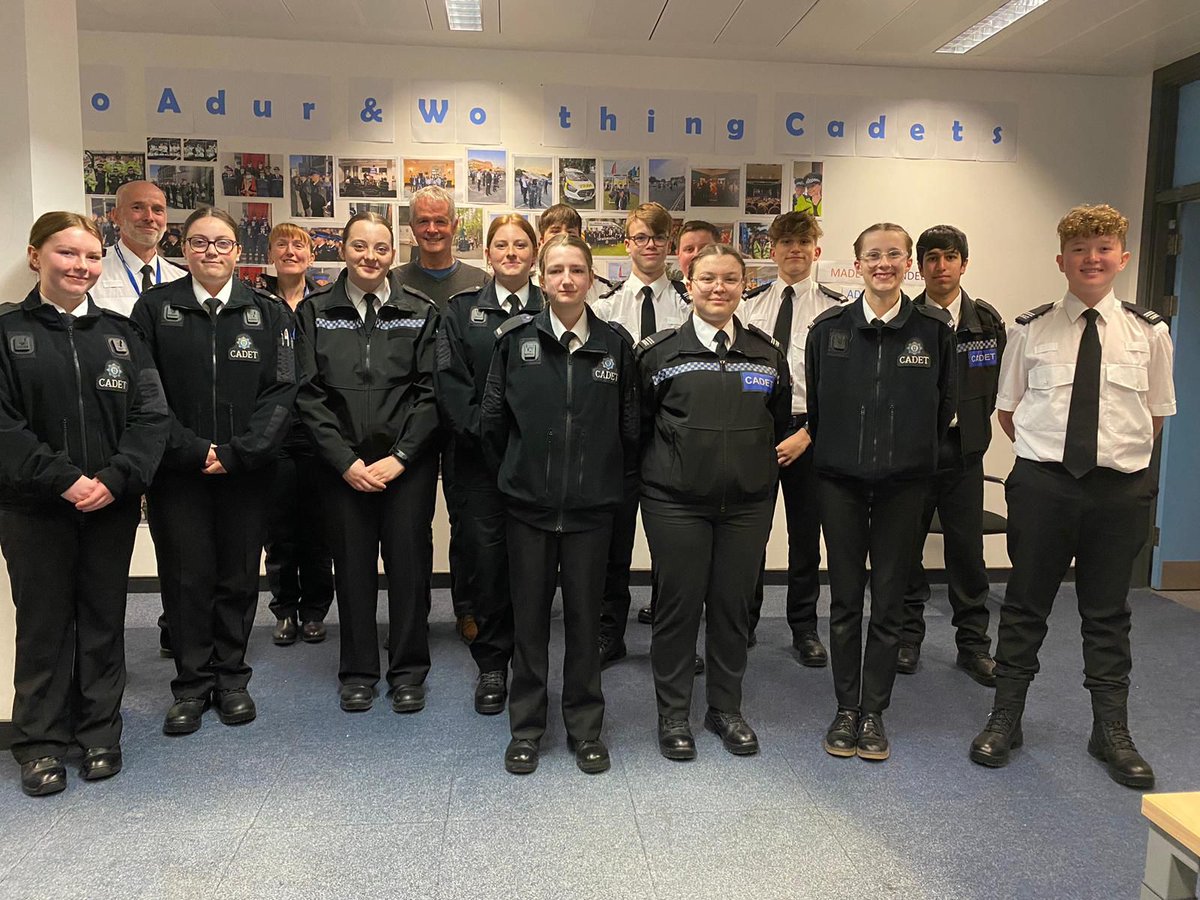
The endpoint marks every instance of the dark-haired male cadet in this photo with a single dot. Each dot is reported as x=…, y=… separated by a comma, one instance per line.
x=957, y=490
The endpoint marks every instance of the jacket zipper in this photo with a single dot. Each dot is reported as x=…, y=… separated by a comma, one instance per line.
x=875, y=402
x=562, y=501
x=213, y=321
x=367, y=371
x=724, y=437
x=862, y=430
x=891, y=433
x=78, y=396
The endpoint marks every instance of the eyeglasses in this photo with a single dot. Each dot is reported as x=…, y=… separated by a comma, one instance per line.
x=708, y=282
x=198, y=244
x=641, y=240
x=874, y=257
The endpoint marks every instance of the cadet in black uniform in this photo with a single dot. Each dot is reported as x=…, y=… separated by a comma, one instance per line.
x=559, y=420
x=366, y=395
x=881, y=392
x=225, y=355
x=466, y=339
x=1084, y=387
x=715, y=401
x=82, y=428
x=957, y=490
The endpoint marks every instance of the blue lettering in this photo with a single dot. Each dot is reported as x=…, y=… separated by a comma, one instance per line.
x=216, y=105
x=370, y=111
x=735, y=129
x=792, y=124
x=957, y=130
x=100, y=101
x=477, y=115
x=878, y=130
x=168, y=103
x=564, y=117
x=692, y=125
x=308, y=108
x=608, y=121
x=917, y=132
x=431, y=112
x=996, y=138
x=752, y=381
x=262, y=109
x=650, y=121
x=837, y=128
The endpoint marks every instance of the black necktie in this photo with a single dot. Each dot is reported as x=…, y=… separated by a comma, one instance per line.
x=147, y=282
x=722, y=340
x=783, y=322
x=566, y=339
x=1083, y=419
x=369, y=317
x=877, y=323
x=511, y=304
x=648, y=325
x=213, y=305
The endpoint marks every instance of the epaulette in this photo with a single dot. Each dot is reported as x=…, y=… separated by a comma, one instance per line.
x=604, y=281
x=681, y=290
x=934, y=312
x=157, y=287
x=754, y=292
x=266, y=295
x=754, y=329
x=512, y=323
x=832, y=313
x=984, y=305
x=172, y=263
x=469, y=292
x=1037, y=312
x=647, y=342
x=832, y=294
x=104, y=311
x=622, y=331
x=6, y=308
x=420, y=295
x=613, y=288
x=1141, y=312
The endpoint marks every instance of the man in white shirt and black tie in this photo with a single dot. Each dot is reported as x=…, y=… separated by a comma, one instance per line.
x=132, y=264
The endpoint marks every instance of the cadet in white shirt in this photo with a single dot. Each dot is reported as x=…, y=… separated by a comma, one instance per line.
x=1084, y=385
x=133, y=264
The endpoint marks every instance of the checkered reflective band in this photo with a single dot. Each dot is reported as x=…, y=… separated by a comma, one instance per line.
x=389, y=324
x=332, y=324
x=664, y=374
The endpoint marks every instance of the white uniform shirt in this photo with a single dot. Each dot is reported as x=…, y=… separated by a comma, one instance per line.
x=358, y=297
x=808, y=302
x=114, y=290
x=625, y=306
x=203, y=295
x=522, y=295
x=1037, y=375
x=707, y=334
x=580, y=330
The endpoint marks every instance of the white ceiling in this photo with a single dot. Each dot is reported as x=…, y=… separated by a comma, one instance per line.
x=1099, y=37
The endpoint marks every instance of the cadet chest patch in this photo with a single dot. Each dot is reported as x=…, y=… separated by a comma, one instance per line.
x=118, y=347
x=478, y=316
x=252, y=318
x=531, y=352
x=171, y=316
x=915, y=355
x=839, y=343
x=978, y=359
x=243, y=348
x=20, y=343
x=757, y=382
x=113, y=377
x=606, y=371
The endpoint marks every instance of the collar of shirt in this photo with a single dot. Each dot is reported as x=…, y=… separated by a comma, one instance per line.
x=870, y=315
x=503, y=293
x=134, y=261
x=799, y=289
x=954, y=309
x=580, y=329
x=357, y=295
x=84, y=308
x=1074, y=307
x=223, y=294
x=661, y=284
x=708, y=333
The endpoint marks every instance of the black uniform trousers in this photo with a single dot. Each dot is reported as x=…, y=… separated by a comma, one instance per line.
x=708, y=560
x=879, y=519
x=453, y=494
x=208, y=535
x=538, y=560
x=395, y=524
x=1102, y=520
x=614, y=611
x=956, y=493
x=798, y=482
x=69, y=573
x=484, y=584
x=299, y=567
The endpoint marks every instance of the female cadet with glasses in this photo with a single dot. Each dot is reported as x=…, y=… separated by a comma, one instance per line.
x=82, y=428
x=224, y=351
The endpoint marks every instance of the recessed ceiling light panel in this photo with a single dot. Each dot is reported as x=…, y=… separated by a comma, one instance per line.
x=464, y=15
x=988, y=26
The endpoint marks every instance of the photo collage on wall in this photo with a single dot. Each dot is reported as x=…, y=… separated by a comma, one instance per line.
x=320, y=192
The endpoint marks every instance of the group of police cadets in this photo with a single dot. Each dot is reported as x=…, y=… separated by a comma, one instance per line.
x=554, y=412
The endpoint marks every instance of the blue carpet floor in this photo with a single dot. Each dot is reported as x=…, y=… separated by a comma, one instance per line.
x=311, y=802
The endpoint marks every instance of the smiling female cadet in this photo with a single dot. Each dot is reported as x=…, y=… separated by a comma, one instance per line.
x=716, y=399
x=82, y=428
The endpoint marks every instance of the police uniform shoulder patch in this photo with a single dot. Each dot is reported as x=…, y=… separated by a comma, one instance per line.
x=754, y=329
x=1147, y=315
x=469, y=292
x=650, y=340
x=21, y=343
x=264, y=294
x=933, y=311
x=420, y=295
x=754, y=292
x=604, y=281
x=613, y=287
x=832, y=294
x=832, y=313
x=1036, y=313
x=512, y=324
x=117, y=346
x=681, y=290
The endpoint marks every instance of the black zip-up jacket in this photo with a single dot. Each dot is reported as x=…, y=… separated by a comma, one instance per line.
x=367, y=396
x=880, y=398
x=981, y=338
x=560, y=429
x=710, y=426
x=229, y=381
x=298, y=442
x=75, y=399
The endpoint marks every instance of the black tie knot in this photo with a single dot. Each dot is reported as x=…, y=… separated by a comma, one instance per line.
x=566, y=339
x=877, y=323
x=369, y=310
x=147, y=281
x=722, y=341
x=1091, y=315
x=510, y=303
x=788, y=293
x=213, y=305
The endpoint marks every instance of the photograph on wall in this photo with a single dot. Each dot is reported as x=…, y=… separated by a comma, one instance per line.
x=666, y=181
x=164, y=148
x=252, y=276
x=252, y=174
x=324, y=275
x=753, y=240
x=808, y=186
x=199, y=150
x=171, y=244
x=311, y=179
x=716, y=187
x=487, y=176
x=493, y=216
x=617, y=271
x=577, y=181
x=327, y=242
x=532, y=181
x=356, y=207
x=764, y=188
x=468, y=239
x=254, y=230
x=757, y=276
x=403, y=231
x=360, y=177
x=110, y=231
x=606, y=236
x=106, y=170
x=622, y=183
x=186, y=187
x=419, y=173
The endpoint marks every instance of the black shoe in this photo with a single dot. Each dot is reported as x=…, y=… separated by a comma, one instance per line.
x=1112, y=744
x=235, y=707
x=591, y=756
x=646, y=615
x=812, y=651
x=40, y=777
x=698, y=665
x=751, y=640
x=490, y=693
x=312, y=632
x=872, y=741
x=184, y=715
x=285, y=632
x=908, y=659
x=675, y=739
x=521, y=757
x=1001, y=735
x=100, y=762
x=737, y=736
x=979, y=665
x=408, y=698
x=356, y=697
x=611, y=649
x=164, y=644
x=842, y=737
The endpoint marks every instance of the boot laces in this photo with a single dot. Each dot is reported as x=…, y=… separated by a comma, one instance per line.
x=1002, y=721
x=1118, y=737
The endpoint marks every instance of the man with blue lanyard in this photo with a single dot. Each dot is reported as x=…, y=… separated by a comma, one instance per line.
x=133, y=264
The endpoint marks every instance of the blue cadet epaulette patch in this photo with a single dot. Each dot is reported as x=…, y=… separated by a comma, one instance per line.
x=614, y=287
x=1141, y=312
x=754, y=329
x=832, y=294
x=1036, y=313
x=512, y=323
x=754, y=292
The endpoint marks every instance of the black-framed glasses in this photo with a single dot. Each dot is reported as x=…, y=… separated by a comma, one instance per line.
x=198, y=244
x=641, y=240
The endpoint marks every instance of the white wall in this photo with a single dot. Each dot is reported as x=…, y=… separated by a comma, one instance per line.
x=1082, y=139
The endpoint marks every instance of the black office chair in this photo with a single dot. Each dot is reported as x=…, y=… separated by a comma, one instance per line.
x=993, y=522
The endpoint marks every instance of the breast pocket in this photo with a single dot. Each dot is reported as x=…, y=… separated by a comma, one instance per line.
x=395, y=364
x=1050, y=397
x=1127, y=386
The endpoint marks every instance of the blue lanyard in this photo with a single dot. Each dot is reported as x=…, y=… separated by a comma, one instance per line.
x=137, y=288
